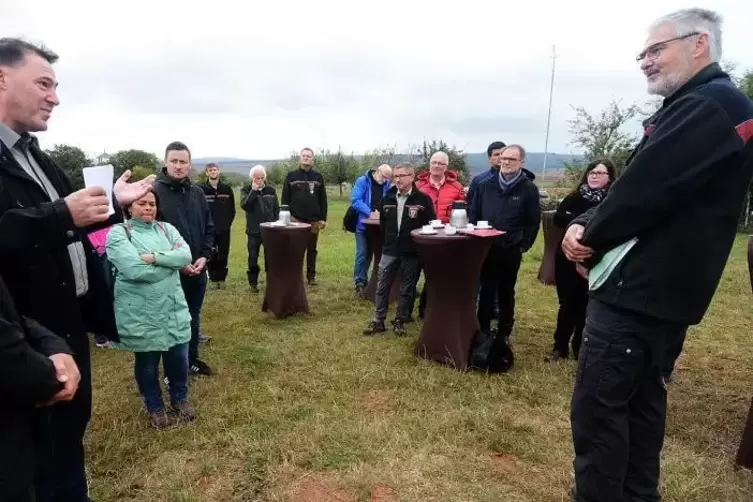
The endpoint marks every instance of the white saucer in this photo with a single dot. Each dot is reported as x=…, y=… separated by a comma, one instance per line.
x=427, y=233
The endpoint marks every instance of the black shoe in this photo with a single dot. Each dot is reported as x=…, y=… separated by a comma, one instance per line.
x=359, y=290
x=409, y=320
x=254, y=288
x=374, y=327
x=398, y=327
x=312, y=282
x=204, y=338
x=199, y=367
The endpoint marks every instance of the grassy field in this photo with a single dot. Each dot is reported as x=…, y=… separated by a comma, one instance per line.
x=308, y=409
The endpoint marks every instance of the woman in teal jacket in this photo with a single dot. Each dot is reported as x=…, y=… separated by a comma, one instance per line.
x=150, y=309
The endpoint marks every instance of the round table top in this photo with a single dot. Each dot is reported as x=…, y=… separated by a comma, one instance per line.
x=292, y=226
x=461, y=234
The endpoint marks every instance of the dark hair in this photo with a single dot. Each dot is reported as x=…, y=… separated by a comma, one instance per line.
x=494, y=146
x=14, y=50
x=406, y=165
x=307, y=149
x=592, y=165
x=177, y=146
x=211, y=164
x=157, y=216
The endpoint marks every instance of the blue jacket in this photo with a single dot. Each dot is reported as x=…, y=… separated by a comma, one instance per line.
x=516, y=210
x=476, y=181
x=360, y=197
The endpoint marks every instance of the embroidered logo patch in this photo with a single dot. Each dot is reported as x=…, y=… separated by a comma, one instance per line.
x=312, y=184
x=412, y=212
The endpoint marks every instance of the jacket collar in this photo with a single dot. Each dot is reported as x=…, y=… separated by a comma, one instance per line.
x=709, y=73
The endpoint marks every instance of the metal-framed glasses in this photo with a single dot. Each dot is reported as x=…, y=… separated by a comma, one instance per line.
x=652, y=51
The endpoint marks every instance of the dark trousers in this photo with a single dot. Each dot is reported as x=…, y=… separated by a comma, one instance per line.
x=389, y=267
x=61, y=476
x=217, y=266
x=194, y=288
x=572, y=293
x=499, y=274
x=254, y=247
x=311, y=253
x=26, y=495
x=146, y=371
x=619, y=404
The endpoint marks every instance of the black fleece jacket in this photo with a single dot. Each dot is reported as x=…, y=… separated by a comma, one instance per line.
x=306, y=195
x=681, y=196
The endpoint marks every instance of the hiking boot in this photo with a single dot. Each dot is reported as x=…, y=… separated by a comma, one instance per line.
x=312, y=282
x=359, y=290
x=398, y=327
x=161, y=420
x=374, y=327
x=204, y=338
x=409, y=320
x=185, y=411
x=199, y=367
x=254, y=288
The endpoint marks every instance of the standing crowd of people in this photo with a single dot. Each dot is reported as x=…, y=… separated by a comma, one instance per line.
x=641, y=257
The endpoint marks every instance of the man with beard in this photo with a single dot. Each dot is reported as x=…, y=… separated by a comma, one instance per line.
x=655, y=250
x=221, y=200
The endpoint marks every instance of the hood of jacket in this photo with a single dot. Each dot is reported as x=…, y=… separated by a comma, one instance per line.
x=449, y=176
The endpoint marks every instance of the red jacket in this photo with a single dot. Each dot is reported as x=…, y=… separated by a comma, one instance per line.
x=450, y=191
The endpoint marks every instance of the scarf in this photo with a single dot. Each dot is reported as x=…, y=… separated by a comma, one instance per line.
x=594, y=195
x=506, y=184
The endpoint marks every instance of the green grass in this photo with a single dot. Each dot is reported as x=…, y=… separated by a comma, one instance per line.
x=308, y=409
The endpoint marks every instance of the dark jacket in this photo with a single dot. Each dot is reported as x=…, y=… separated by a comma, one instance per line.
x=28, y=378
x=418, y=211
x=261, y=206
x=183, y=205
x=572, y=206
x=516, y=210
x=681, y=195
x=221, y=203
x=34, y=259
x=306, y=194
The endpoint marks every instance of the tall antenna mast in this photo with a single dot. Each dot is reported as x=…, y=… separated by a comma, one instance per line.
x=549, y=115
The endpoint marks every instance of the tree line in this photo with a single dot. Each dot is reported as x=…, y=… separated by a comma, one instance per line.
x=337, y=167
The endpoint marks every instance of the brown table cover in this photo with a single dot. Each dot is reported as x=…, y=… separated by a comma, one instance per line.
x=376, y=241
x=452, y=264
x=552, y=238
x=745, y=450
x=284, y=248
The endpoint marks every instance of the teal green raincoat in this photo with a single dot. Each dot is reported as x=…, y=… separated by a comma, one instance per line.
x=150, y=309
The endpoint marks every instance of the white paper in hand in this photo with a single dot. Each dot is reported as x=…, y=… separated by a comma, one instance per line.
x=101, y=176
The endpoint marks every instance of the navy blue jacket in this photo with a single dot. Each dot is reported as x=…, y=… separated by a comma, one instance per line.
x=477, y=180
x=516, y=211
x=681, y=195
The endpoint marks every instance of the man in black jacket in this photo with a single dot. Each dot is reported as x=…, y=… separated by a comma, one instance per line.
x=404, y=208
x=47, y=261
x=508, y=201
x=305, y=193
x=655, y=249
x=37, y=369
x=183, y=205
x=259, y=200
x=221, y=200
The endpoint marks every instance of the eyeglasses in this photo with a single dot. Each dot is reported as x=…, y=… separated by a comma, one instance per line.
x=596, y=174
x=437, y=163
x=652, y=51
x=398, y=176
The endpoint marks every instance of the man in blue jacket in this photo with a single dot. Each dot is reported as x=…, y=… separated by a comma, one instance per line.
x=366, y=198
x=655, y=250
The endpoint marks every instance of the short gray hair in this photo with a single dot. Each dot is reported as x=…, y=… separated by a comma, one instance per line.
x=406, y=165
x=258, y=168
x=687, y=21
x=519, y=148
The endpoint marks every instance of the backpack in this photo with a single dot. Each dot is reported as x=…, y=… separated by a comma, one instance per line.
x=350, y=220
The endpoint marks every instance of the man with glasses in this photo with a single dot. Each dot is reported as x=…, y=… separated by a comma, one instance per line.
x=404, y=208
x=509, y=202
x=655, y=250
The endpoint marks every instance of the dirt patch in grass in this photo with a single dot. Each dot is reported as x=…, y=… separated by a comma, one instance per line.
x=383, y=493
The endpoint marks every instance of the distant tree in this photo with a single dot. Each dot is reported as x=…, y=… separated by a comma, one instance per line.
x=605, y=135
x=141, y=172
x=71, y=159
x=128, y=159
x=746, y=83
x=376, y=157
x=457, y=162
x=340, y=168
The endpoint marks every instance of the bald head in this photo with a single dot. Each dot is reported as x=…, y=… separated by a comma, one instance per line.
x=383, y=173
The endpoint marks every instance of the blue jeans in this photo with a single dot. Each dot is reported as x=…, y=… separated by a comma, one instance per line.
x=146, y=370
x=194, y=288
x=363, y=260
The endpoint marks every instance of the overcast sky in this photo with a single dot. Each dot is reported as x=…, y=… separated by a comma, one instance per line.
x=259, y=79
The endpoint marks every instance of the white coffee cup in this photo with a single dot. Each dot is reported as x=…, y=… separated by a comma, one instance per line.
x=436, y=223
x=482, y=224
x=450, y=230
x=469, y=226
x=427, y=229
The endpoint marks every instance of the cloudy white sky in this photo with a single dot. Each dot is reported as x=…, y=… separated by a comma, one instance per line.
x=260, y=79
